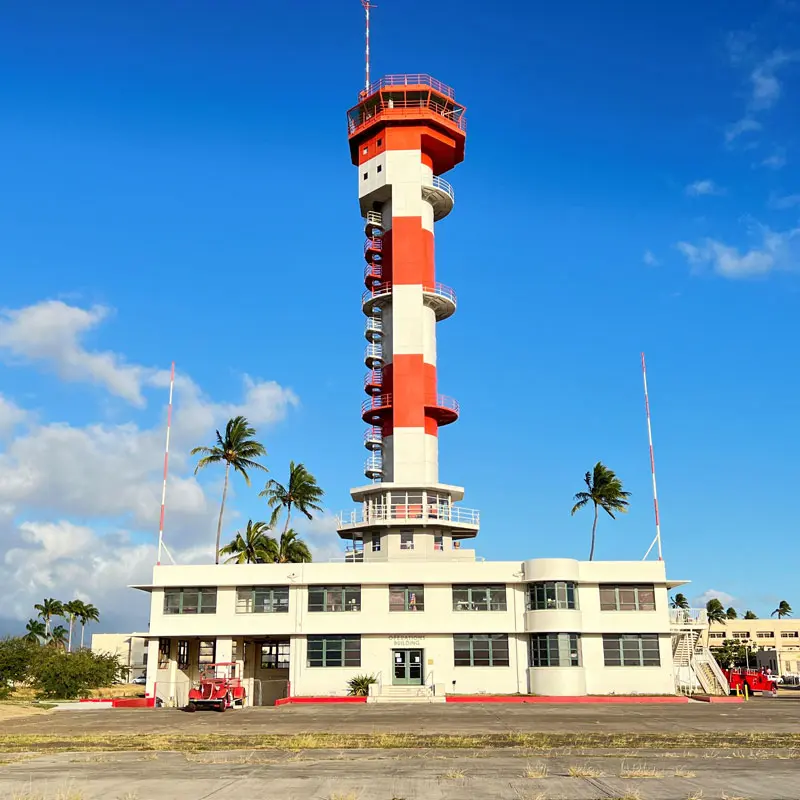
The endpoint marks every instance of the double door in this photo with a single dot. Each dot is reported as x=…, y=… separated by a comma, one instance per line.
x=407, y=667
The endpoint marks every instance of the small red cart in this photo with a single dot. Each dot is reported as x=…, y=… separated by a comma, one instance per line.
x=219, y=688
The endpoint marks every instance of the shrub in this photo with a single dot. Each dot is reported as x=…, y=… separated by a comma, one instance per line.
x=359, y=686
x=56, y=673
x=16, y=655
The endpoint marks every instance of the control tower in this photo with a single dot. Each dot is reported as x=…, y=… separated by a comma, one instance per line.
x=405, y=132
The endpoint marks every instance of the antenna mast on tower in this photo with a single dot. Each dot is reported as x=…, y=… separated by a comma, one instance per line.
x=161, y=545
x=657, y=540
x=367, y=6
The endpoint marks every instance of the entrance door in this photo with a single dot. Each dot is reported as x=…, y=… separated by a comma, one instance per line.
x=407, y=668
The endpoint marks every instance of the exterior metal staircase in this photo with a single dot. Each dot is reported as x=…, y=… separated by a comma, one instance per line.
x=696, y=669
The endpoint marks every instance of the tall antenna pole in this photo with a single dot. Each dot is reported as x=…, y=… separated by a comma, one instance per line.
x=657, y=540
x=367, y=6
x=166, y=463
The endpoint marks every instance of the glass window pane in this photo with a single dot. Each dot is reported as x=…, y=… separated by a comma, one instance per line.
x=190, y=599
x=316, y=599
x=608, y=598
x=352, y=598
x=172, y=602
x=647, y=598
x=627, y=598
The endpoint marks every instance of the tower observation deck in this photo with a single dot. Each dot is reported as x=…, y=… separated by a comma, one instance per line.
x=405, y=132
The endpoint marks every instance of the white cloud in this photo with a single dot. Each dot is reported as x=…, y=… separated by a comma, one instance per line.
x=776, y=161
x=744, y=125
x=726, y=599
x=785, y=201
x=11, y=415
x=51, y=331
x=777, y=251
x=79, y=505
x=766, y=88
x=704, y=187
x=649, y=259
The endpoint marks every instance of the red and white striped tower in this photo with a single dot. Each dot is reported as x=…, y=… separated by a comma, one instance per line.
x=405, y=132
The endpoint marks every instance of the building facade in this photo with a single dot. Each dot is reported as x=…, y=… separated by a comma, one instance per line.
x=411, y=605
x=130, y=650
x=775, y=643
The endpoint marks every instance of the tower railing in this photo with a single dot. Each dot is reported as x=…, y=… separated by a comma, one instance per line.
x=441, y=183
x=367, y=113
x=384, y=289
x=410, y=513
x=419, y=79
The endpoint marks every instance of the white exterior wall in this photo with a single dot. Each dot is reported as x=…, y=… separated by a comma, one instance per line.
x=130, y=650
x=432, y=629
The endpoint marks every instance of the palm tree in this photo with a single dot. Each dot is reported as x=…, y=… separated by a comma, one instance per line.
x=730, y=613
x=36, y=631
x=605, y=491
x=716, y=613
x=58, y=636
x=783, y=610
x=72, y=610
x=48, y=609
x=291, y=549
x=301, y=491
x=680, y=601
x=255, y=547
x=238, y=450
x=88, y=614
x=750, y=615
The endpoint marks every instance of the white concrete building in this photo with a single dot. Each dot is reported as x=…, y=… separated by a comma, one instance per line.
x=410, y=605
x=129, y=648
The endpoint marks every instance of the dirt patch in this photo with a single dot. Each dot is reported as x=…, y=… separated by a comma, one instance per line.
x=18, y=711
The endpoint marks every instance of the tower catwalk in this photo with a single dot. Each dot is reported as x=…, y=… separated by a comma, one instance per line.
x=405, y=132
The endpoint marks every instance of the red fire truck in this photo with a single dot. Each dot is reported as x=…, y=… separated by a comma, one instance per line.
x=756, y=680
x=218, y=688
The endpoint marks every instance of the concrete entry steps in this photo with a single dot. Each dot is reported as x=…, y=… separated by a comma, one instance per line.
x=404, y=694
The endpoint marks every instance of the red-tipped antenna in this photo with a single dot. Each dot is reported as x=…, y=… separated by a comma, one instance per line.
x=657, y=540
x=367, y=6
x=161, y=545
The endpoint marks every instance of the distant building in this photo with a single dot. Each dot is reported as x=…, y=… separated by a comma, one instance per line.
x=780, y=635
x=130, y=649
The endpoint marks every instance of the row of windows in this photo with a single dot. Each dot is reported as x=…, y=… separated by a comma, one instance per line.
x=541, y=596
x=469, y=650
x=746, y=635
x=492, y=650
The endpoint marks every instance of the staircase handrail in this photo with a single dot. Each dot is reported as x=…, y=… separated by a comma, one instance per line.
x=708, y=657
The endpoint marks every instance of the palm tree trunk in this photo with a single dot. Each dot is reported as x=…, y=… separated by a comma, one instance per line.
x=288, y=516
x=83, y=625
x=594, y=528
x=69, y=644
x=221, y=512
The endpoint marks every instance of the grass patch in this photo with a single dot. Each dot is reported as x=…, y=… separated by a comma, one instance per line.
x=639, y=771
x=455, y=775
x=698, y=795
x=684, y=773
x=535, y=771
x=584, y=771
x=723, y=744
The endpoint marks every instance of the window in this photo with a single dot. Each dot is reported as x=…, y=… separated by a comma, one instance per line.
x=553, y=594
x=406, y=598
x=479, y=598
x=376, y=543
x=163, y=652
x=627, y=598
x=765, y=635
x=438, y=542
x=206, y=652
x=275, y=655
x=366, y=175
x=183, y=654
x=334, y=651
x=631, y=650
x=190, y=601
x=380, y=168
x=364, y=150
x=716, y=635
x=555, y=650
x=480, y=650
x=788, y=634
x=334, y=598
x=741, y=634
x=406, y=541
x=262, y=600
x=379, y=142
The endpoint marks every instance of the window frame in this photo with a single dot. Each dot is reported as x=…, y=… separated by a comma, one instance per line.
x=183, y=654
x=200, y=607
x=546, y=650
x=408, y=590
x=203, y=648
x=637, y=603
x=497, y=650
x=406, y=540
x=347, y=657
x=164, y=651
x=249, y=605
x=473, y=598
x=376, y=543
x=277, y=655
x=539, y=599
x=335, y=598
x=625, y=659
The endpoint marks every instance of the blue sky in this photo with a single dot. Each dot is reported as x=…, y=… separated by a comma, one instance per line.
x=176, y=185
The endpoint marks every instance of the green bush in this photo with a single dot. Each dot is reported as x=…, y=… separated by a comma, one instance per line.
x=16, y=655
x=359, y=686
x=56, y=673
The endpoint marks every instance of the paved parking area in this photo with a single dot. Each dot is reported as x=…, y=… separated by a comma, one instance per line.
x=759, y=715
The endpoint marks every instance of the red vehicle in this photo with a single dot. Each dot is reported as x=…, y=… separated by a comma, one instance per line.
x=219, y=687
x=756, y=680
